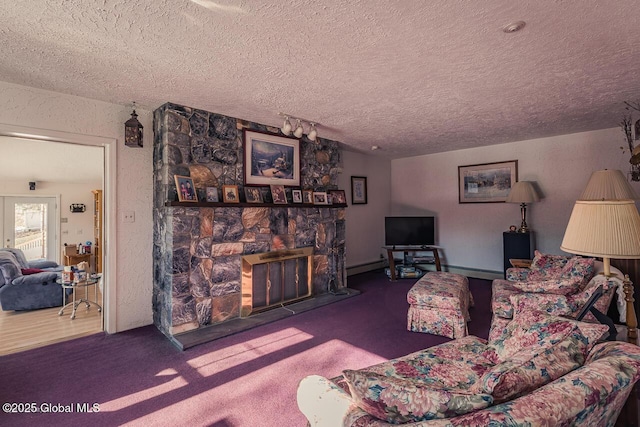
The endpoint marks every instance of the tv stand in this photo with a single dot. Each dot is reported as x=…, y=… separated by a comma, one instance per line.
x=405, y=250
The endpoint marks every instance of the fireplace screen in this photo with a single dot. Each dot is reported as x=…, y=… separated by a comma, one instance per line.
x=275, y=278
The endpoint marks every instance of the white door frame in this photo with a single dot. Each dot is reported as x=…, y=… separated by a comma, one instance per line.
x=109, y=202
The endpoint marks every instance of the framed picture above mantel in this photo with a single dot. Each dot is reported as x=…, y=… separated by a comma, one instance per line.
x=486, y=182
x=271, y=159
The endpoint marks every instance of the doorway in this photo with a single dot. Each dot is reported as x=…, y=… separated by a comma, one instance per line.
x=38, y=224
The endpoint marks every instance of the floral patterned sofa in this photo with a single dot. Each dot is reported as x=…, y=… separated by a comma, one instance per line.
x=542, y=370
x=557, y=284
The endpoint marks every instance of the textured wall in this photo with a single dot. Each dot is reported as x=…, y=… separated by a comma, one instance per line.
x=197, y=250
x=40, y=109
x=471, y=234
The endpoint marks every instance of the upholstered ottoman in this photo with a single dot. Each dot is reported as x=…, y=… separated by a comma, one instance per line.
x=439, y=304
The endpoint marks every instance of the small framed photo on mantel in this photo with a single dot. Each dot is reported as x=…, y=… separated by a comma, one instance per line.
x=297, y=196
x=320, y=198
x=307, y=196
x=230, y=194
x=212, y=194
x=337, y=197
x=253, y=194
x=278, y=194
x=185, y=188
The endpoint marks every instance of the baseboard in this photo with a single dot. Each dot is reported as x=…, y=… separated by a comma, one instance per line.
x=465, y=271
x=363, y=268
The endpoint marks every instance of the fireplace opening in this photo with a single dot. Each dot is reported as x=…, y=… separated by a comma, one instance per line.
x=275, y=278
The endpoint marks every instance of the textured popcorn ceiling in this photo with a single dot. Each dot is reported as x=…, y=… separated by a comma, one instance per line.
x=412, y=77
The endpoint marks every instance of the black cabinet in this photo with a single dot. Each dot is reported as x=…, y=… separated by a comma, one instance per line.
x=516, y=245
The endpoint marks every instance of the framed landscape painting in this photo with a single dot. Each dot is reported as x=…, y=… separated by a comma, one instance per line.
x=487, y=182
x=271, y=159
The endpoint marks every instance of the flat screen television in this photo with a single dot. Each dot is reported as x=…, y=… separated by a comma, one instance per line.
x=409, y=230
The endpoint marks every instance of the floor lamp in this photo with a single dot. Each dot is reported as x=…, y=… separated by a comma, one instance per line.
x=606, y=229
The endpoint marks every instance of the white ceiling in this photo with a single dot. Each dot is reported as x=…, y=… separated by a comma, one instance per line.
x=412, y=77
x=45, y=162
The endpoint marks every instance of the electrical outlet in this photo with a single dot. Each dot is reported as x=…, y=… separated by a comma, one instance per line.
x=128, y=216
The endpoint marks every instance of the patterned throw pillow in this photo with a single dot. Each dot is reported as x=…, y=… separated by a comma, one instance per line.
x=540, y=330
x=455, y=364
x=580, y=270
x=399, y=400
x=550, y=286
x=531, y=368
x=535, y=349
x=545, y=266
x=556, y=305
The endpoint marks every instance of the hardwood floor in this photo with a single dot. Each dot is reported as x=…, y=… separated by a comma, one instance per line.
x=23, y=330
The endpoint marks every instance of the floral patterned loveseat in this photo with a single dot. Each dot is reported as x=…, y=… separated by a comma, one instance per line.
x=543, y=370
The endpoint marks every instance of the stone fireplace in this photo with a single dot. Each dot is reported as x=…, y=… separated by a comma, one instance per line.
x=200, y=248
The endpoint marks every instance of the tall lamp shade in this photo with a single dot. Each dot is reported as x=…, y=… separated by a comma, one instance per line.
x=603, y=228
x=523, y=192
x=608, y=184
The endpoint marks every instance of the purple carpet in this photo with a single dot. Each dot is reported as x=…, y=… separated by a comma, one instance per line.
x=249, y=379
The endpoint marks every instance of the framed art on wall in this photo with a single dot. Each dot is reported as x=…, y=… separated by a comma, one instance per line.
x=358, y=190
x=271, y=159
x=297, y=196
x=186, y=189
x=486, y=182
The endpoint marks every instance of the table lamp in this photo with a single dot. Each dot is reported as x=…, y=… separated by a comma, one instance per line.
x=523, y=192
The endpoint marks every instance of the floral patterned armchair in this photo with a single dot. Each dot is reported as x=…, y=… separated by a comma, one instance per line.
x=557, y=284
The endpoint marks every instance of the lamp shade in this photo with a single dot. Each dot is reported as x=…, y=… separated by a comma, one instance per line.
x=608, y=184
x=522, y=192
x=607, y=229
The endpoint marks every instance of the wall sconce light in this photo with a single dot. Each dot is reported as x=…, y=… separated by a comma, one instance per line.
x=133, y=130
x=32, y=185
x=298, y=131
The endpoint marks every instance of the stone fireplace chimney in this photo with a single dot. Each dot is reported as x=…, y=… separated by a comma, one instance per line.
x=200, y=248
